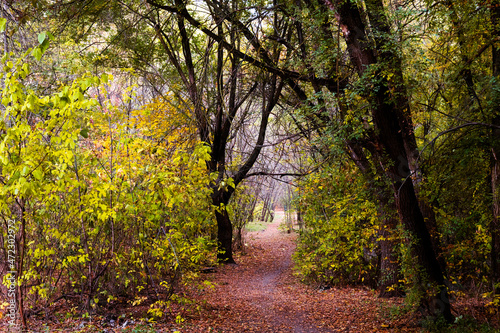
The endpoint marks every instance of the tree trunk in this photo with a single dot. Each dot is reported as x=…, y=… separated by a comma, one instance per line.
x=225, y=237
x=389, y=117
x=495, y=225
x=393, y=152
x=400, y=100
x=21, y=249
x=263, y=215
x=238, y=227
x=224, y=227
x=388, y=283
x=252, y=208
x=300, y=222
x=495, y=158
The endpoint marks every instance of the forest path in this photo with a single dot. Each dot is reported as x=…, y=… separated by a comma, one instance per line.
x=261, y=294
x=262, y=286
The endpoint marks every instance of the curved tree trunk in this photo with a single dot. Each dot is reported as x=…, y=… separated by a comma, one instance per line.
x=393, y=137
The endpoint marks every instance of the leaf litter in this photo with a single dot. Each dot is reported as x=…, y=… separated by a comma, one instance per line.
x=261, y=294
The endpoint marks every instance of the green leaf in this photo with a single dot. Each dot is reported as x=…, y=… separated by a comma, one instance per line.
x=44, y=46
x=25, y=70
x=37, y=53
x=41, y=37
x=3, y=24
x=38, y=174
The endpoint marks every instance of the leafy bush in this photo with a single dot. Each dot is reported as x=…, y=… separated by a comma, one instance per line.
x=102, y=210
x=337, y=244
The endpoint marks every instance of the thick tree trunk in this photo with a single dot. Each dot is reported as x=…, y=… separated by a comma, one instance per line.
x=388, y=284
x=225, y=237
x=392, y=126
x=399, y=95
x=495, y=159
x=385, y=117
x=224, y=227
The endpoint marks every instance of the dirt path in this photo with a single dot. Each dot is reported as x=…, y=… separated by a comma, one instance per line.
x=263, y=286
x=257, y=292
x=261, y=294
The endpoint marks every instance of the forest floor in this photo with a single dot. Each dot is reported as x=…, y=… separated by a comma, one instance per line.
x=261, y=294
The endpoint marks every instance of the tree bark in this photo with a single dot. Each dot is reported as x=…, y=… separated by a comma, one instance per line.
x=391, y=133
x=388, y=283
x=495, y=158
x=398, y=94
x=224, y=227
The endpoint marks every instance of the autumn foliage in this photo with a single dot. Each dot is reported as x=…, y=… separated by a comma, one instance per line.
x=105, y=210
